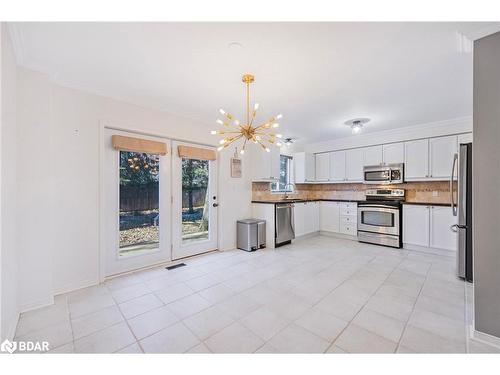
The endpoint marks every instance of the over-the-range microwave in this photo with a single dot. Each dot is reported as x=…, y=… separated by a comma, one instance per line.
x=384, y=174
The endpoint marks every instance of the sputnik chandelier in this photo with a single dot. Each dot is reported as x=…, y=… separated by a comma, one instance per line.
x=233, y=130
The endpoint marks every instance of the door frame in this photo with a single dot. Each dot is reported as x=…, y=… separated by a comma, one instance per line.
x=130, y=128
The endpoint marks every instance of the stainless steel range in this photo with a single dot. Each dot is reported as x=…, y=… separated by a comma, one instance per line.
x=380, y=217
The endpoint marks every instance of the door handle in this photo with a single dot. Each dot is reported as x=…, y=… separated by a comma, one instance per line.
x=456, y=227
x=215, y=205
x=453, y=206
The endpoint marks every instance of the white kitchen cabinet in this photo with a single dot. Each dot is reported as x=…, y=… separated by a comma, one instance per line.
x=417, y=159
x=441, y=236
x=393, y=153
x=429, y=226
x=265, y=165
x=329, y=216
x=306, y=218
x=354, y=161
x=373, y=155
x=337, y=166
x=304, y=167
x=416, y=225
x=322, y=167
x=441, y=152
x=313, y=216
x=349, y=218
x=299, y=216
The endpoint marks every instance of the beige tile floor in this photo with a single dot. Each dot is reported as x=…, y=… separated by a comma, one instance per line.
x=318, y=295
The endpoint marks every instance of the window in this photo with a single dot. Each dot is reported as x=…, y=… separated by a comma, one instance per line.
x=284, y=183
x=195, y=200
x=139, y=202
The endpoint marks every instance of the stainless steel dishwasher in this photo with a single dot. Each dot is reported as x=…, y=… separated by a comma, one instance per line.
x=285, y=231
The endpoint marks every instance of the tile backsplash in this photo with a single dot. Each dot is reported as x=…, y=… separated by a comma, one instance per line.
x=422, y=191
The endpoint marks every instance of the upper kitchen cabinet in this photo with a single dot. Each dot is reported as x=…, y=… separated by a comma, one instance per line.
x=323, y=167
x=304, y=166
x=265, y=165
x=373, y=155
x=337, y=166
x=354, y=161
x=441, y=153
x=393, y=153
x=417, y=160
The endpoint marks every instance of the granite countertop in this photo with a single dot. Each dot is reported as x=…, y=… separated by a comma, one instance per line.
x=298, y=200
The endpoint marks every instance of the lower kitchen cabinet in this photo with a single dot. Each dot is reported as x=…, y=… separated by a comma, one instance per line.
x=339, y=217
x=306, y=218
x=329, y=216
x=441, y=236
x=429, y=226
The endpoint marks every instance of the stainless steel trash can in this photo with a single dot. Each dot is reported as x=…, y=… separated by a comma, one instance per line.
x=251, y=234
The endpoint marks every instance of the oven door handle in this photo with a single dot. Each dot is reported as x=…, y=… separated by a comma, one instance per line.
x=379, y=207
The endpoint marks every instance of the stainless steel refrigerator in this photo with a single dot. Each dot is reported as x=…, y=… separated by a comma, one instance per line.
x=462, y=208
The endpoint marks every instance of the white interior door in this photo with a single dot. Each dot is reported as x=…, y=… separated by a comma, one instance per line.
x=136, y=210
x=194, y=204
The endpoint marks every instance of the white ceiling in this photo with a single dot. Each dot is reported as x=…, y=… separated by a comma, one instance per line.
x=317, y=74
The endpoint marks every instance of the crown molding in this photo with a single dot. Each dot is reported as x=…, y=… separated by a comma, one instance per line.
x=17, y=39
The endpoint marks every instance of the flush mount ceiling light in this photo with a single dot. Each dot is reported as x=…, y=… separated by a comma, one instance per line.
x=356, y=124
x=235, y=45
x=233, y=130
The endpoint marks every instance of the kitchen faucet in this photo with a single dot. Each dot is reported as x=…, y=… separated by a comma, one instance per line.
x=287, y=192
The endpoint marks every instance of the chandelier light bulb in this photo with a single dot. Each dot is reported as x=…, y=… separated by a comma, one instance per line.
x=213, y=132
x=219, y=121
x=276, y=125
x=222, y=111
x=279, y=116
x=256, y=106
x=267, y=149
x=220, y=148
x=279, y=144
x=222, y=141
x=242, y=151
x=279, y=136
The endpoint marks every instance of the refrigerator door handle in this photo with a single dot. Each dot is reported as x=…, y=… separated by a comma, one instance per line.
x=453, y=205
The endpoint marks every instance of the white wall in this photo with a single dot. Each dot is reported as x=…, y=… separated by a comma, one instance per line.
x=71, y=191
x=8, y=157
x=35, y=165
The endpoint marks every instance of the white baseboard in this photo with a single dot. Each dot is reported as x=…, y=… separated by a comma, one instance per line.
x=338, y=235
x=429, y=250
x=36, y=304
x=307, y=235
x=12, y=328
x=75, y=286
x=484, y=338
